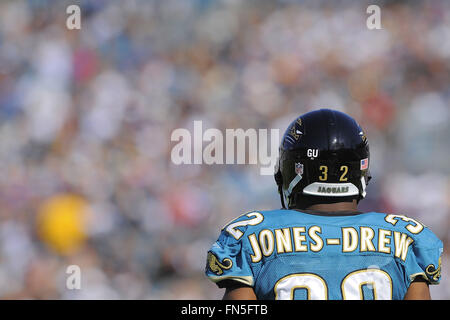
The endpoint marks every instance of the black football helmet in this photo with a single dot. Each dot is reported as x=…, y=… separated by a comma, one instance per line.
x=324, y=157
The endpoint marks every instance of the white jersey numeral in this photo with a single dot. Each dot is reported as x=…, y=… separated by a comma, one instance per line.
x=236, y=233
x=315, y=286
x=414, y=226
x=351, y=286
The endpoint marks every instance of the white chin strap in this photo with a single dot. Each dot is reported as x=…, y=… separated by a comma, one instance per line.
x=287, y=192
x=363, y=185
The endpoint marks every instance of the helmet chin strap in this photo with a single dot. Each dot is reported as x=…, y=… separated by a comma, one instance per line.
x=363, y=185
x=285, y=194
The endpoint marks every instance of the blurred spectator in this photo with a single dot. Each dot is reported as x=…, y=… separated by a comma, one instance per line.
x=61, y=223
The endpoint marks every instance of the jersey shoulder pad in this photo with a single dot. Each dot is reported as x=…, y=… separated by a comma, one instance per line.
x=425, y=258
x=227, y=259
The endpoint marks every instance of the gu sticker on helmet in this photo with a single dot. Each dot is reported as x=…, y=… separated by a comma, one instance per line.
x=312, y=153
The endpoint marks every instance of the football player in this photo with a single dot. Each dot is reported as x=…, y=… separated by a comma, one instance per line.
x=319, y=246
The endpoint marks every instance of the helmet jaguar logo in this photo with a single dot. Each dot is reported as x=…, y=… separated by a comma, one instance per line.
x=295, y=133
x=363, y=136
x=216, y=266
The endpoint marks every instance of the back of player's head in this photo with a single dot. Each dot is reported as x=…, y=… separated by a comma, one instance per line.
x=324, y=158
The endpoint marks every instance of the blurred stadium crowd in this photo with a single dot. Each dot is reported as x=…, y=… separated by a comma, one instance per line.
x=86, y=118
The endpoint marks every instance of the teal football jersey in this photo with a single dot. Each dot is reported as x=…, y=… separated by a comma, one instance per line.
x=288, y=254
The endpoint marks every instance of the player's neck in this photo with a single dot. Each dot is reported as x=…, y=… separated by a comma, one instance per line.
x=334, y=207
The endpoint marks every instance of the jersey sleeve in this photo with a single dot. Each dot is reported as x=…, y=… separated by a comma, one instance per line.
x=425, y=258
x=227, y=261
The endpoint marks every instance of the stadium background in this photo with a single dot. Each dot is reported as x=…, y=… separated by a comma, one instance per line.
x=86, y=117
